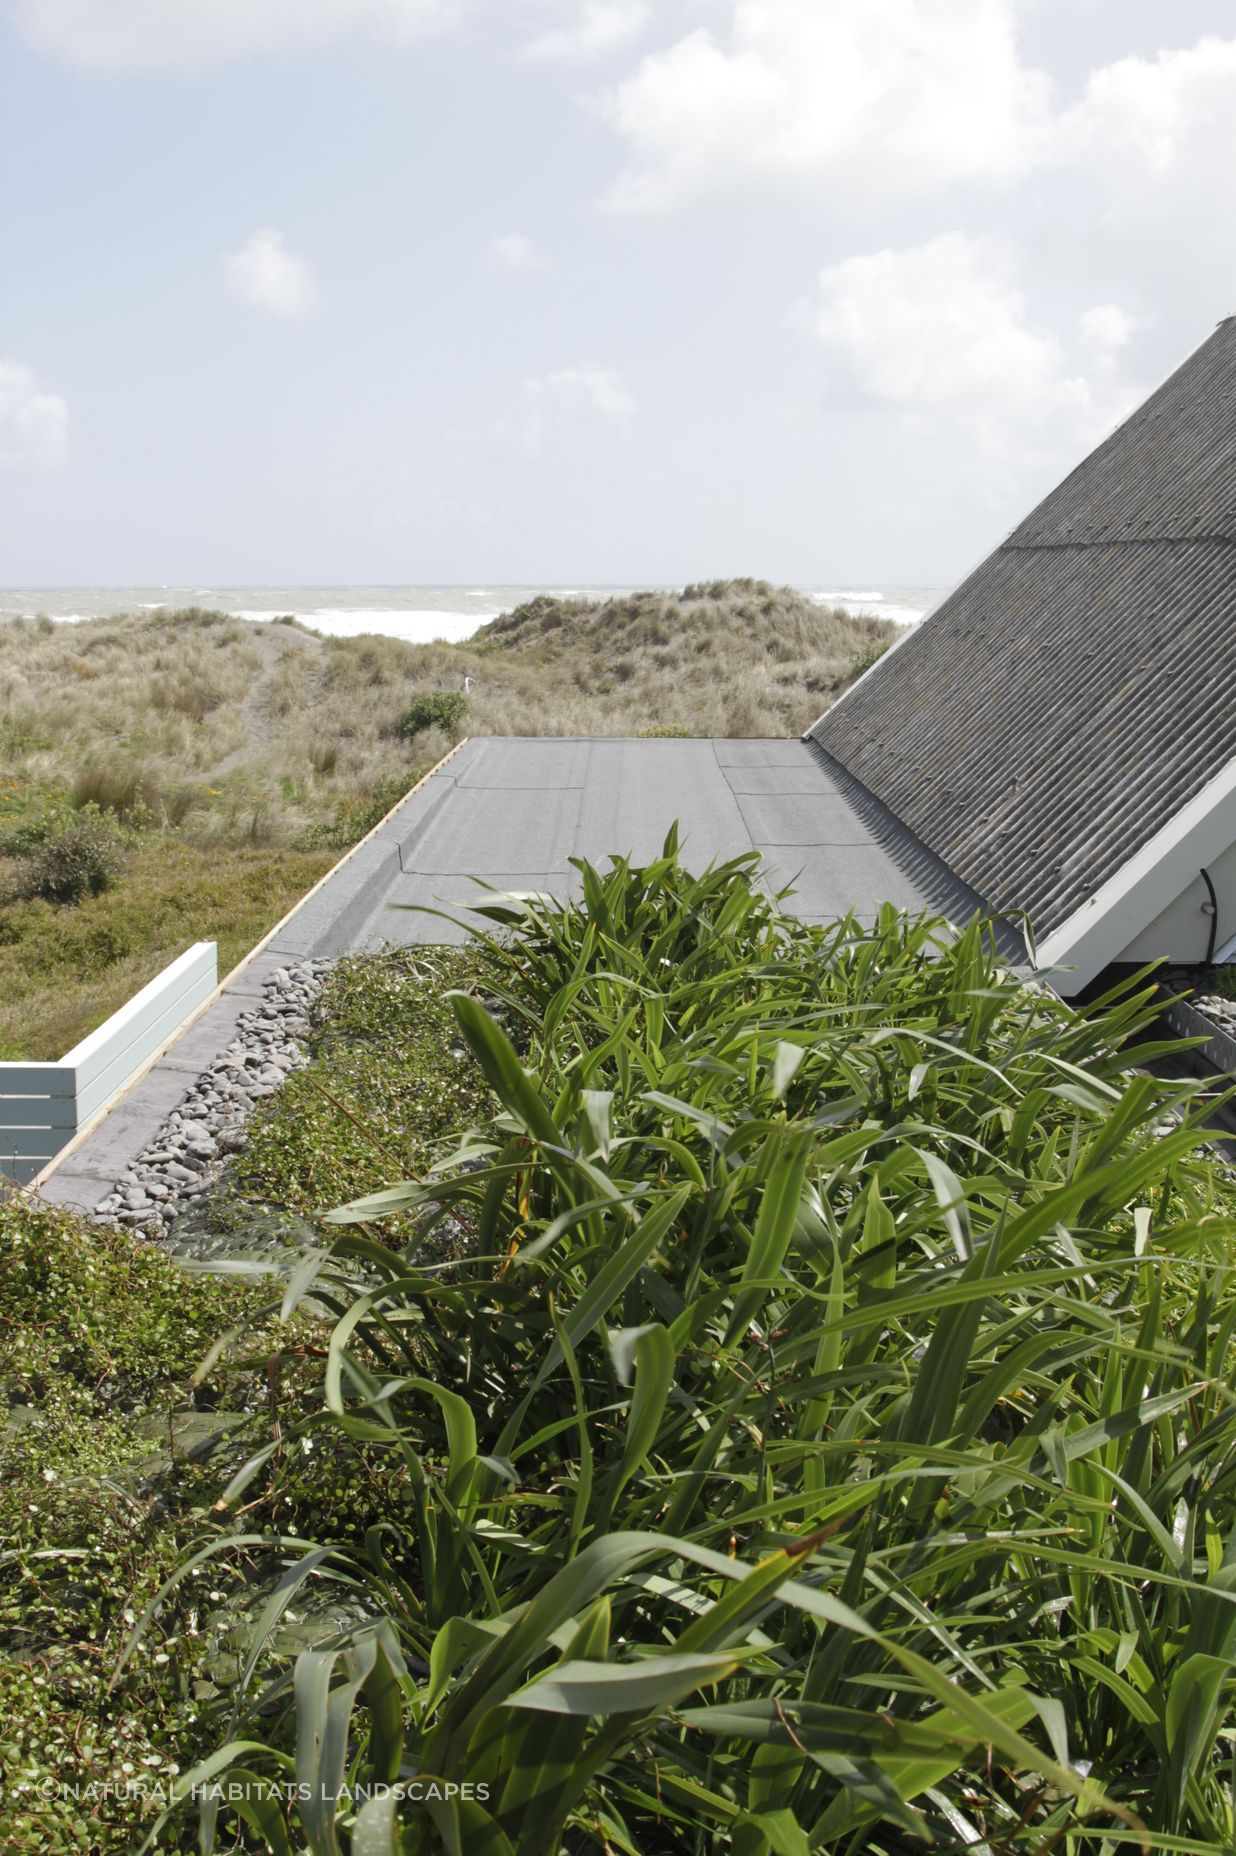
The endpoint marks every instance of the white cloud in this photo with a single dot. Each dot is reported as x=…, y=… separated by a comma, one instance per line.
x=907, y=95
x=130, y=35
x=270, y=277
x=1145, y=157
x=1106, y=329
x=591, y=29
x=517, y=252
x=1148, y=117
x=587, y=388
x=34, y=426
x=561, y=406
x=942, y=333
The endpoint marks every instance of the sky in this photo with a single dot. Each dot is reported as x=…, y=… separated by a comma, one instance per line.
x=587, y=291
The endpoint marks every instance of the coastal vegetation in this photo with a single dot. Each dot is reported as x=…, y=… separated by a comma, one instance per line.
x=762, y=1388
x=64, y=967
x=204, y=770
x=100, y=1334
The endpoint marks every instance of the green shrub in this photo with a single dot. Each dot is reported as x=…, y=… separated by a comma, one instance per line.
x=82, y=859
x=100, y=1333
x=63, y=971
x=30, y=815
x=820, y=1438
x=865, y=659
x=33, y=831
x=388, y=1080
x=356, y=814
x=444, y=709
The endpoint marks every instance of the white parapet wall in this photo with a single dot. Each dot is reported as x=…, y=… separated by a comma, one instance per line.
x=42, y=1105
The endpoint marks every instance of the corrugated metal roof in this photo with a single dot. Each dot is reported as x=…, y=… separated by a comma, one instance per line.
x=1080, y=687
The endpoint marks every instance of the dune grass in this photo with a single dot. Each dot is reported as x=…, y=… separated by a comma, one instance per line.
x=819, y=1439
x=201, y=720
x=63, y=970
x=230, y=757
x=230, y=733
x=735, y=657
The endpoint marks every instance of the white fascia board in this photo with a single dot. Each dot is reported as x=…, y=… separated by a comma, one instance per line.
x=195, y=963
x=1100, y=930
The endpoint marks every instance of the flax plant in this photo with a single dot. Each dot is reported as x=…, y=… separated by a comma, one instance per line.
x=822, y=1440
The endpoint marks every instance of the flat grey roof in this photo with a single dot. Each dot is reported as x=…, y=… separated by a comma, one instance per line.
x=513, y=812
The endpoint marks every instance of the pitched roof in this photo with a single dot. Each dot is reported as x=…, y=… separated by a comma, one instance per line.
x=1080, y=687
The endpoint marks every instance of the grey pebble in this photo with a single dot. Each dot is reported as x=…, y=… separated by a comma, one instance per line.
x=209, y=1125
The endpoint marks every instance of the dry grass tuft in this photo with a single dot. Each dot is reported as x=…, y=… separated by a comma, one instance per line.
x=248, y=733
x=237, y=760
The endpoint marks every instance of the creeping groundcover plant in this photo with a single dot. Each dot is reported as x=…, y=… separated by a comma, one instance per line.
x=815, y=1425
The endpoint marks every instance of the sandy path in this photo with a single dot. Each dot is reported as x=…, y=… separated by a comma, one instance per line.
x=271, y=642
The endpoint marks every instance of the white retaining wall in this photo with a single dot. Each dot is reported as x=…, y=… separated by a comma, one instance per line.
x=42, y=1105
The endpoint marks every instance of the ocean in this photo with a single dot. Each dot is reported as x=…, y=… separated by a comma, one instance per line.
x=421, y=614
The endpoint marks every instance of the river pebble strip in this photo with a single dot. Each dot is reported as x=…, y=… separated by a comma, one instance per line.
x=200, y=1137
x=1219, y=1011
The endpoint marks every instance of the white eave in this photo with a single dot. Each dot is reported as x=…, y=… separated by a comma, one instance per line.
x=1104, y=926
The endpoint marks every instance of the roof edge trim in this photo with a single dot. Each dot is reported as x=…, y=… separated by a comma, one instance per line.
x=1098, y=932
